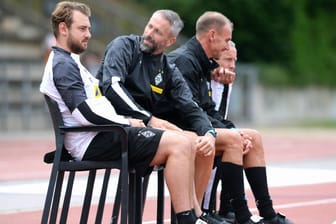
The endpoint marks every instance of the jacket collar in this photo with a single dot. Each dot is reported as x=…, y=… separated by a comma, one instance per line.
x=206, y=64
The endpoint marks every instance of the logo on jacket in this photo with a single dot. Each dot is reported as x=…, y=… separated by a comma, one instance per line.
x=146, y=133
x=158, y=78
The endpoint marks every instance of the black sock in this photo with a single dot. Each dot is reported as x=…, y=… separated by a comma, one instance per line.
x=225, y=205
x=194, y=213
x=233, y=180
x=257, y=179
x=186, y=217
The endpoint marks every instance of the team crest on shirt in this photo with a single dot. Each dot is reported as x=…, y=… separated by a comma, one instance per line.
x=158, y=78
x=146, y=133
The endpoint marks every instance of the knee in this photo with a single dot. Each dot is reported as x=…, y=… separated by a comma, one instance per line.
x=257, y=145
x=235, y=141
x=230, y=141
x=256, y=138
x=185, y=147
x=254, y=134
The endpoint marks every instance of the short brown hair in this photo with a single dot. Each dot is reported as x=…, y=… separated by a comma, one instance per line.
x=211, y=20
x=63, y=13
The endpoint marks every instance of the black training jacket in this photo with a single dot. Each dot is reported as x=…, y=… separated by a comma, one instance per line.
x=140, y=84
x=195, y=67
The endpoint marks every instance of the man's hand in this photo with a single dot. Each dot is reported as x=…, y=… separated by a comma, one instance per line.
x=247, y=142
x=158, y=123
x=205, y=145
x=222, y=75
x=136, y=122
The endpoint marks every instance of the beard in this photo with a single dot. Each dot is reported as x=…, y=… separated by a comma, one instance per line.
x=76, y=46
x=147, y=48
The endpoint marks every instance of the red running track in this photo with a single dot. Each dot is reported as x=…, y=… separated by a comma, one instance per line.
x=21, y=159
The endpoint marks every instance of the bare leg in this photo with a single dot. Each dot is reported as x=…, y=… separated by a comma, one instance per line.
x=203, y=167
x=176, y=151
x=229, y=144
x=227, y=141
x=202, y=171
x=255, y=157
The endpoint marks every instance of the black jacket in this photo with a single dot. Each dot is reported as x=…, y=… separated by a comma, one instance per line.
x=196, y=67
x=140, y=84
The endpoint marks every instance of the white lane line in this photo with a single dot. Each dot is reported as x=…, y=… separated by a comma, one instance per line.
x=14, y=190
x=302, y=204
x=283, y=206
x=281, y=176
x=277, y=177
x=307, y=203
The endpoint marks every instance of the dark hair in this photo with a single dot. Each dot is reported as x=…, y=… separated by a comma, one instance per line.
x=64, y=11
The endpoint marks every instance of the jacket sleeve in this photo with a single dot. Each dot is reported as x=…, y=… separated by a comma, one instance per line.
x=86, y=111
x=194, y=116
x=200, y=95
x=117, y=61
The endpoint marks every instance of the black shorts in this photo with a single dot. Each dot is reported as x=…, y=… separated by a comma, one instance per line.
x=142, y=147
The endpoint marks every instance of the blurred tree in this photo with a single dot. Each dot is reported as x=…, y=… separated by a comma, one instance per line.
x=314, y=43
x=298, y=36
x=260, y=27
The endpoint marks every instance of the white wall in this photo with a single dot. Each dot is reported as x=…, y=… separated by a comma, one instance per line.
x=258, y=105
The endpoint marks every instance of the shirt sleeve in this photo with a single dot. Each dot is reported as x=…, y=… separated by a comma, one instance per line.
x=86, y=111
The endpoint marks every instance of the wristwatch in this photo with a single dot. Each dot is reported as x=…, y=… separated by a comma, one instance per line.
x=213, y=132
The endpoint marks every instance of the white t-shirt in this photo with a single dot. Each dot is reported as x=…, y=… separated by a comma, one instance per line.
x=79, y=99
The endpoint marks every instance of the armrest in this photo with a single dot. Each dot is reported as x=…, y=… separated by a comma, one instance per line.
x=95, y=128
x=101, y=128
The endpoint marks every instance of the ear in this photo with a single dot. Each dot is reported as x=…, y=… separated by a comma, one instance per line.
x=171, y=41
x=211, y=35
x=63, y=29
